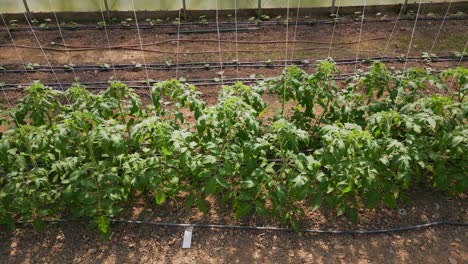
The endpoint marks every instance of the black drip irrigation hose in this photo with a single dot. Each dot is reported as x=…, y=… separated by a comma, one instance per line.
x=208, y=24
x=102, y=85
x=211, y=65
x=143, y=84
x=270, y=228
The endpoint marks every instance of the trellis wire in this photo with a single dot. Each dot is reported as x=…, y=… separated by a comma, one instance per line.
x=412, y=34
x=43, y=52
x=237, y=47
x=178, y=45
x=108, y=41
x=141, y=44
x=63, y=39
x=295, y=28
x=334, y=27
x=393, y=30
x=360, y=33
x=219, y=44
x=440, y=28
x=287, y=36
x=16, y=48
x=459, y=62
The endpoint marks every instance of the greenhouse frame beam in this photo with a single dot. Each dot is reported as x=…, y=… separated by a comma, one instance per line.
x=26, y=7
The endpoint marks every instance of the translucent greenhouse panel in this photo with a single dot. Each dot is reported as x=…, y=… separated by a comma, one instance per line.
x=8, y=6
x=211, y=4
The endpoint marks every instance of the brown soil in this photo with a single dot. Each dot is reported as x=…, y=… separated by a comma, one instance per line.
x=75, y=243
x=134, y=243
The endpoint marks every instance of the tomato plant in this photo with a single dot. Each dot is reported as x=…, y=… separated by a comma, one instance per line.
x=359, y=145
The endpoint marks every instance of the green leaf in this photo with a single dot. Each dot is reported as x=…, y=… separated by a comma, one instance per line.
x=316, y=202
x=210, y=187
x=160, y=197
x=103, y=225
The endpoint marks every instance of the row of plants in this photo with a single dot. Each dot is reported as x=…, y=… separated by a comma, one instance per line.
x=361, y=143
x=203, y=20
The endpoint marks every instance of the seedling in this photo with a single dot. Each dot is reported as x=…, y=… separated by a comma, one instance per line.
x=168, y=63
x=428, y=57
x=45, y=24
x=104, y=66
x=401, y=58
x=411, y=13
x=69, y=67
x=264, y=18
x=34, y=22
x=153, y=22
x=459, y=54
x=72, y=24
x=203, y=20
x=137, y=66
x=31, y=66
x=13, y=23
x=126, y=22
x=101, y=24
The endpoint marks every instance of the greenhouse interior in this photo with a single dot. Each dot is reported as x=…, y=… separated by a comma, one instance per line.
x=237, y=131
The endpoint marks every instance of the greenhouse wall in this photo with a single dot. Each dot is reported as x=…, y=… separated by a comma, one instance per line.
x=17, y=6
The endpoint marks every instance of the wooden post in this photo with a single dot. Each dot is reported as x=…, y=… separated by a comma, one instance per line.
x=259, y=8
x=26, y=7
x=106, y=4
x=405, y=5
x=184, y=4
x=332, y=11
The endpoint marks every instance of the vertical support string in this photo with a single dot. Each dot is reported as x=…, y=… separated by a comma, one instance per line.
x=141, y=45
x=63, y=39
x=16, y=48
x=219, y=44
x=295, y=29
x=287, y=36
x=440, y=28
x=43, y=52
x=412, y=35
x=387, y=45
x=459, y=62
x=237, y=44
x=178, y=46
x=108, y=42
x=360, y=35
x=334, y=27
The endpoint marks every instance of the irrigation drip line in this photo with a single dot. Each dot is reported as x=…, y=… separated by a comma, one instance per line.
x=211, y=65
x=158, y=51
x=208, y=24
x=271, y=228
x=139, y=84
